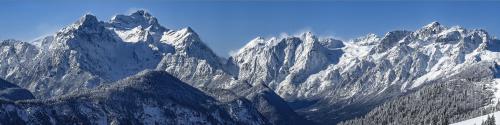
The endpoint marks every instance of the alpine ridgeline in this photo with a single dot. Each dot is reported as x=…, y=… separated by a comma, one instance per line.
x=287, y=80
x=91, y=53
x=329, y=81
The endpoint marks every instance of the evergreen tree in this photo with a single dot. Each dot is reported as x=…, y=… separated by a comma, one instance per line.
x=492, y=120
x=486, y=122
x=489, y=121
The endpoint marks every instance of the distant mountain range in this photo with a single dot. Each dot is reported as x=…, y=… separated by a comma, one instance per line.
x=132, y=70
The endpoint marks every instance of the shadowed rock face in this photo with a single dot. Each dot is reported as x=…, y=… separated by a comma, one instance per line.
x=12, y=92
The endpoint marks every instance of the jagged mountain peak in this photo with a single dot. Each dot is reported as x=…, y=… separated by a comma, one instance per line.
x=189, y=32
x=308, y=37
x=332, y=43
x=395, y=36
x=138, y=18
x=258, y=39
x=307, y=34
x=430, y=29
x=186, y=42
x=88, y=23
x=371, y=35
x=390, y=39
x=182, y=38
x=87, y=20
x=142, y=13
x=16, y=45
x=481, y=32
x=137, y=26
x=397, y=33
x=433, y=24
x=369, y=39
x=434, y=27
x=253, y=43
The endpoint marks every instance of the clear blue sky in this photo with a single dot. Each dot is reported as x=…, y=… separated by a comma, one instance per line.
x=226, y=25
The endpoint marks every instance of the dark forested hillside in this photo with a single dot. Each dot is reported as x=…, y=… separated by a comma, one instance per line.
x=465, y=95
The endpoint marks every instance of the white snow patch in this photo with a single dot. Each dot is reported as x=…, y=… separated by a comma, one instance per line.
x=353, y=50
x=133, y=35
x=427, y=77
x=479, y=120
x=491, y=56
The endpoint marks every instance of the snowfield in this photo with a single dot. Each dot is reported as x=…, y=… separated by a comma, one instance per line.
x=480, y=119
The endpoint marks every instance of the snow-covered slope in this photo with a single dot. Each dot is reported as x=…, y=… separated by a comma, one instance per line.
x=194, y=62
x=479, y=120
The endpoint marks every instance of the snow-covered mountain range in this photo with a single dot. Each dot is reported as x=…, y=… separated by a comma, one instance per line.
x=327, y=76
x=88, y=66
